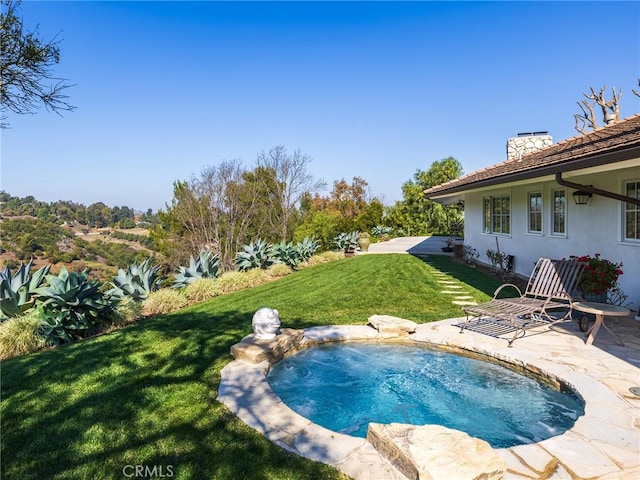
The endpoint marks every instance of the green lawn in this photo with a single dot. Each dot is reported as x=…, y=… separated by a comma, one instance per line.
x=145, y=395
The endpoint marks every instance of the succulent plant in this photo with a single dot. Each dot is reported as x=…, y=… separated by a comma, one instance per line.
x=137, y=281
x=255, y=255
x=307, y=248
x=207, y=265
x=17, y=290
x=72, y=304
x=346, y=242
x=286, y=253
x=380, y=230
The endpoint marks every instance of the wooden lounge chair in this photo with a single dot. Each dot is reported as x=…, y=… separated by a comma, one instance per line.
x=546, y=300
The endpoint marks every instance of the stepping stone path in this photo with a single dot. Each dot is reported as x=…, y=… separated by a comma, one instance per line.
x=451, y=287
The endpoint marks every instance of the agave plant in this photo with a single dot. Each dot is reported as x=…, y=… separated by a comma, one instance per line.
x=286, y=253
x=381, y=230
x=72, y=305
x=255, y=255
x=307, y=248
x=137, y=281
x=17, y=290
x=207, y=265
x=346, y=242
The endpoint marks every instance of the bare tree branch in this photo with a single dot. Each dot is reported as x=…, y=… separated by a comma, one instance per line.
x=26, y=79
x=610, y=109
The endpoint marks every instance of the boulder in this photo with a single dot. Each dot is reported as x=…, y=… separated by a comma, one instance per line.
x=256, y=350
x=390, y=327
x=434, y=452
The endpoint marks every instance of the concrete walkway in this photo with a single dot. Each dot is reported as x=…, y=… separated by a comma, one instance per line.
x=413, y=245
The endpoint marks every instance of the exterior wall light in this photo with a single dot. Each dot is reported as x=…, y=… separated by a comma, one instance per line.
x=581, y=197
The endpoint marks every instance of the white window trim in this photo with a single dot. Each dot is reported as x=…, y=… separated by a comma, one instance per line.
x=528, y=212
x=502, y=193
x=623, y=221
x=551, y=207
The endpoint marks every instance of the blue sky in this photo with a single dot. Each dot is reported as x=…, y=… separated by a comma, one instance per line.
x=373, y=89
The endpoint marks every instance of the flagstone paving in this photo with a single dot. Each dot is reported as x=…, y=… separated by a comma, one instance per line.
x=603, y=444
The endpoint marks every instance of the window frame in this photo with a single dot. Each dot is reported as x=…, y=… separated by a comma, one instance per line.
x=540, y=212
x=494, y=216
x=555, y=212
x=627, y=208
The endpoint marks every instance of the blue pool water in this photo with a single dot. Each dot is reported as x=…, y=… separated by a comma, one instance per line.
x=345, y=386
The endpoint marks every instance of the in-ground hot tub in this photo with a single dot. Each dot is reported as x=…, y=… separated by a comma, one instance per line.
x=345, y=386
x=603, y=443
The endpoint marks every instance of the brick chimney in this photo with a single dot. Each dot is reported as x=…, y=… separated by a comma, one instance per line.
x=526, y=143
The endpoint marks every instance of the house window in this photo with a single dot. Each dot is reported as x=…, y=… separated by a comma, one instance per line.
x=497, y=214
x=486, y=214
x=632, y=212
x=559, y=212
x=535, y=212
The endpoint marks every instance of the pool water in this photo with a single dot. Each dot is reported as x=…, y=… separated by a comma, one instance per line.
x=345, y=386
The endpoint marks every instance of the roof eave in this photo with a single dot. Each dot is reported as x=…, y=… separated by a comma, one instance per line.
x=570, y=165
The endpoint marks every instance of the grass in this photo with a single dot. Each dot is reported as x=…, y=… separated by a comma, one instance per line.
x=146, y=394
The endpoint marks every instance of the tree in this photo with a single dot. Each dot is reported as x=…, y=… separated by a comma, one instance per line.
x=418, y=215
x=610, y=109
x=25, y=68
x=346, y=208
x=98, y=215
x=212, y=211
x=292, y=181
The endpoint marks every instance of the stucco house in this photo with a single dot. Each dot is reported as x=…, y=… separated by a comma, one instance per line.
x=534, y=202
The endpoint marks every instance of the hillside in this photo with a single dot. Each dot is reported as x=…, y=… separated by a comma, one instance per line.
x=100, y=250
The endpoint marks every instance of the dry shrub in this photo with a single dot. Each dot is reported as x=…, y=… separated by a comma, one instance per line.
x=203, y=289
x=20, y=335
x=326, y=257
x=234, y=281
x=163, y=301
x=128, y=311
x=257, y=276
x=278, y=270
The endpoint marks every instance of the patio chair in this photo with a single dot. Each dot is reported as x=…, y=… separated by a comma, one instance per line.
x=547, y=296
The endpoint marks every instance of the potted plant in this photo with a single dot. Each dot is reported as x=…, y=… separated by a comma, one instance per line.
x=364, y=241
x=347, y=243
x=598, y=277
x=448, y=248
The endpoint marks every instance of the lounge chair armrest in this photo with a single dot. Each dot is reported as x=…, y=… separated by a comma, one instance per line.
x=499, y=289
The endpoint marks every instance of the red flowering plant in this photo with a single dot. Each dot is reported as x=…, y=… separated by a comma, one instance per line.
x=599, y=275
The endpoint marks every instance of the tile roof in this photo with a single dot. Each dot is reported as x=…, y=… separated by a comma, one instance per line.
x=574, y=152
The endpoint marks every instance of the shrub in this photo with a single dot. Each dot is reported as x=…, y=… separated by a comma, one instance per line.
x=256, y=277
x=202, y=289
x=128, y=311
x=326, y=257
x=163, y=301
x=278, y=270
x=233, y=281
x=599, y=275
x=21, y=335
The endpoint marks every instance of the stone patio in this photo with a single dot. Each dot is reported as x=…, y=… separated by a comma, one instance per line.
x=603, y=444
